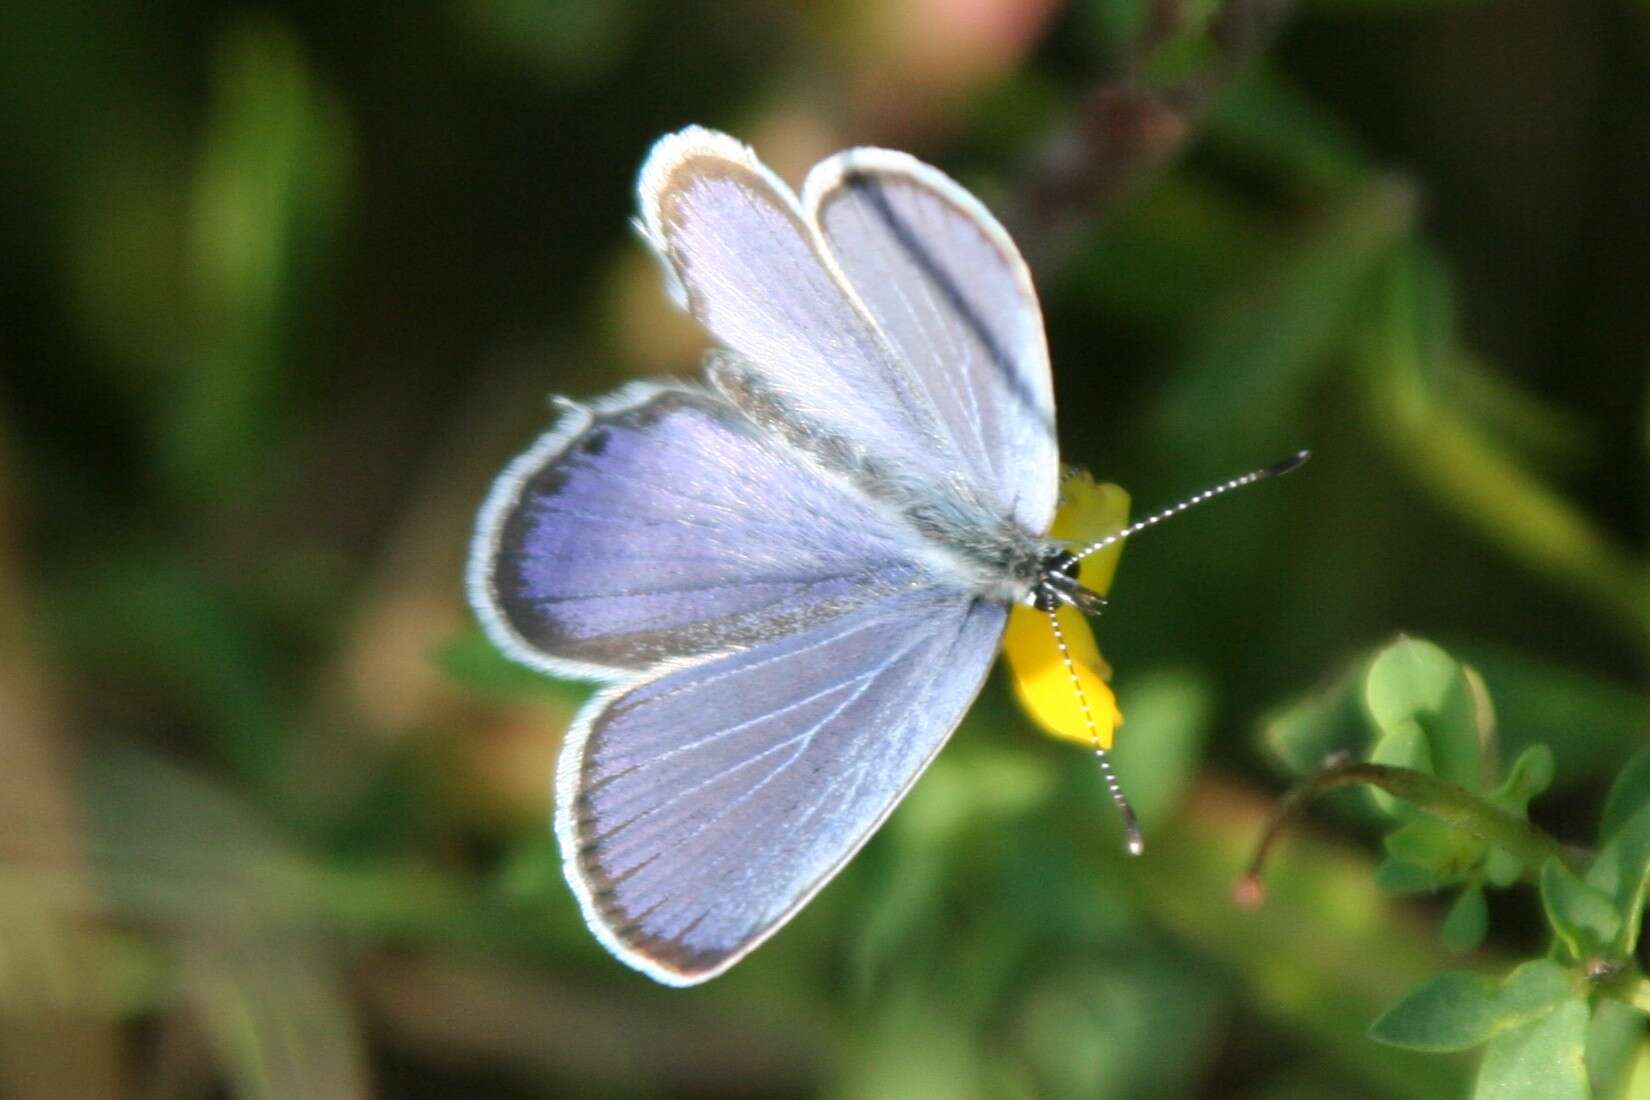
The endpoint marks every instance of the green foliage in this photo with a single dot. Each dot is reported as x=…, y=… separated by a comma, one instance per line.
x=1615, y=1050
x=1468, y=919
x=1458, y=1010
x=1540, y=1060
x=1628, y=794
x=1431, y=744
x=1602, y=721
x=272, y=177
x=1621, y=870
x=1424, y=712
x=1584, y=918
x=1315, y=726
x=1425, y=715
x=1267, y=337
x=1408, y=357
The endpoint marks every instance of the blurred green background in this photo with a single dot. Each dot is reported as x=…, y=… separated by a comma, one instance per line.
x=286, y=285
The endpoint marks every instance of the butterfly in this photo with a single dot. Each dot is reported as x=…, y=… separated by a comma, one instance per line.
x=794, y=575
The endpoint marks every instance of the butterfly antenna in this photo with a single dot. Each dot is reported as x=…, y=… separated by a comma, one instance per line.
x=1131, y=826
x=1276, y=469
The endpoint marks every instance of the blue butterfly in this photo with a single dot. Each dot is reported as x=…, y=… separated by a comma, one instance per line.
x=794, y=576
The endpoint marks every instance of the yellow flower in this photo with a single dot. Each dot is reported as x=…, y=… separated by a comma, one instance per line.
x=1041, y=681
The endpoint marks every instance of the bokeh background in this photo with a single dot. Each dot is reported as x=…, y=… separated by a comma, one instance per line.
x=285, y=285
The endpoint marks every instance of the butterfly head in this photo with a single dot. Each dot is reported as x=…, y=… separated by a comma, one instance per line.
x=1056, y=584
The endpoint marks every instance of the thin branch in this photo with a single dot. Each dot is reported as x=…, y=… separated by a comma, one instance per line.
x=1438, y=798
x=1124, y=131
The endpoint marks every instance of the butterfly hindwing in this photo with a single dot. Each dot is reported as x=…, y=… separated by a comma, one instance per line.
x=754, y=273
x=949, y=291
x=699, y=809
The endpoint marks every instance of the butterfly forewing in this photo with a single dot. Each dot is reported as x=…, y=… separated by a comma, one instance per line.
x=698, y=810
x=662, y=525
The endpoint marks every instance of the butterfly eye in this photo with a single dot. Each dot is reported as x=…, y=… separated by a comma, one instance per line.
x=1044, y=598
x=1063, y=562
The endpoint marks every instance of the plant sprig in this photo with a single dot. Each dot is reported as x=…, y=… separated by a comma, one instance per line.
x=1429, y=763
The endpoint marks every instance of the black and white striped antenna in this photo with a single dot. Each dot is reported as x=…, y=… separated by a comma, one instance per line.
x=1276, y=469
x=1059, y=586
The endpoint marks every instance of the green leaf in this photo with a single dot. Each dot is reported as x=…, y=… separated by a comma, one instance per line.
x=1613, y=1043
x=1416, y=691
x=1471, y=473
x=269, y=193
x=1395, y=876
x=1545, y=435
x=1407, y=677
x=1405, y=747
x=1622, y=870
x=1484, y=726
x=1467, y=920
x=1456, y=1010
x=1532, y=989
x=1539, y=1060
x=1532, y=773
x=181, y=634
x=1447, y=852
x=1582, y=916
x=1502, y=868
x=1264, y=120
x=1628, y=794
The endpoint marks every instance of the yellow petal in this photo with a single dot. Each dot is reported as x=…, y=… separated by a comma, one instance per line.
x=1088, y=512
x=1042, y=682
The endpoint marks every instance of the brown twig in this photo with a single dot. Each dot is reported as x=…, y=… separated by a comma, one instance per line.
x=1123, y=131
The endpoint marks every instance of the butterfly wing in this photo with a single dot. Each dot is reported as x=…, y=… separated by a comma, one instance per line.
x=662, y=525
x=887, y=307
x=754, y=273
x=699, y=809
x=945, y=285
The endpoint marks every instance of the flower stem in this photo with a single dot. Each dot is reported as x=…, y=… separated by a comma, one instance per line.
x=1439, y=798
